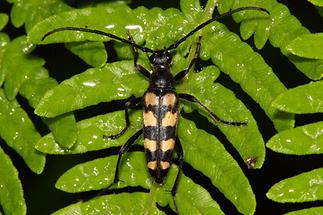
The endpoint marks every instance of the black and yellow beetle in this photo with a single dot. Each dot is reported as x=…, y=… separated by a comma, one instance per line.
x=160, y=103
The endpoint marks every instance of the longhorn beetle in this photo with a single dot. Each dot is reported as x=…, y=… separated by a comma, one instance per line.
x=160, y=103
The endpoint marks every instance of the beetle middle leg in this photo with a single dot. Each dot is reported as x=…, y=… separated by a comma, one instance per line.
x=124, y=148
x=191, y=98
x=132, y=103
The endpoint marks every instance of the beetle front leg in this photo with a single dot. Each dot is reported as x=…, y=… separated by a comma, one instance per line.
x=183, y=73
x=135, y=52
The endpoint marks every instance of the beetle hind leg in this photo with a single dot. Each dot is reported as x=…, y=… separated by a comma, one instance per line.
x=179, y=152
x=191, y=98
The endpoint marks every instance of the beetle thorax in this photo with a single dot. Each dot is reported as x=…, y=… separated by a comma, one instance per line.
x=161, y=78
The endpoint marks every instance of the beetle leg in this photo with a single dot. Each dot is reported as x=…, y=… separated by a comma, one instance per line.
x=124, y=148
x=183, y=73
x=179, y=152
x=132, y=103
x=135, y=52
x=191, y=98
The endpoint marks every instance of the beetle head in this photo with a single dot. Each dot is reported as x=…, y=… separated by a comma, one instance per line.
x=162, y=57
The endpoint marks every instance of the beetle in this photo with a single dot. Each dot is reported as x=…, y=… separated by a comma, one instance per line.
x=160, y=103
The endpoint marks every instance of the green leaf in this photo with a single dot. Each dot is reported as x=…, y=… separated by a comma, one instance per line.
x=23, y=75
x=306, y=98
x=63, y=127
x=16, y=74
x=308, y=211
x=90, y=88
x=19, y=133
x=206, y=154
x=4, y=41
x=301, y=188
x=193, y=199
x=11, y=192
x=252, y=22
x=247, y=68
x=231, y=65
x=93, y=53
x=36, y=86
x=30, y=12
x=91, y=131
x=123, y=203
x=215, y=166
x=307, y=139
x=246, y=139
x=280, y=28
x=99, y=173
x=316, y=2
x=308, y=46
x=250, y=134
x=3, y=20
x=117, y=17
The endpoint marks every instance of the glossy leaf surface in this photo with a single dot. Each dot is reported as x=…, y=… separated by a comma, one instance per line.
x=306, y=98
x=301, y=188
x=317, y=2
x=114, y=81
x=99, y=174
x=16, y=74
x=30, y=12
x=4, y=41
x=31, y=80
x=247, y=68
x=3, y=20
x=307, y=139
x=253, y=78
x=123, y=203
x=308, y=211
x=119, y=15
x=11, y=194
x=63, y=127
x=216, y=167
x=280, y=28
x=200, y=85
x=20, y=134
x=252, y=81
x=91, y=131
x=308, y=46
x=206, y=154
x=93, y=53
x=246, y=139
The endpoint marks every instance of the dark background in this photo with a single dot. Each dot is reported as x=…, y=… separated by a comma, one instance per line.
x=40, y=193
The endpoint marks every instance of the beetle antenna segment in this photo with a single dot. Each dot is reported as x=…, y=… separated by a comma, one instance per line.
x=142, y=48
x=175, y=45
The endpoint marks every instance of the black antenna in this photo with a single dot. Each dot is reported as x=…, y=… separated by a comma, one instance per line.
x=199, y=27
x=142, y=48
x=145, y=49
